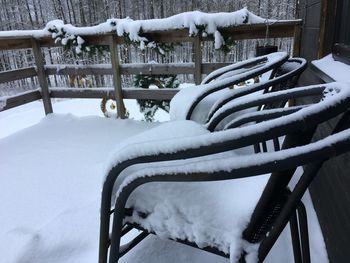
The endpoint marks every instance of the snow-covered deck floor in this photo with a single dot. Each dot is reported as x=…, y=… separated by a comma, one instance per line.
x=50, y=186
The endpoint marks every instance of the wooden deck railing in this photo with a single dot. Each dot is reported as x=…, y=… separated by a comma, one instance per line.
x=282, y=29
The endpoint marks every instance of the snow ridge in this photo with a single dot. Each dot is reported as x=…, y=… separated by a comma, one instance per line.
x=196, y=22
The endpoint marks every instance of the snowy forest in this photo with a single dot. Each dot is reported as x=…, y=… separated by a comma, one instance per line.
x=34, y=14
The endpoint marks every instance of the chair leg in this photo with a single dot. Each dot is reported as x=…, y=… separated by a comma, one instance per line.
x=117, y=228
x=294, y=230
x=304, y=233
x=242, y=258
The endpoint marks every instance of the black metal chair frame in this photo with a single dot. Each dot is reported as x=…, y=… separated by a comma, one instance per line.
x=284, y=80
x=251, y=68
x=276, y=206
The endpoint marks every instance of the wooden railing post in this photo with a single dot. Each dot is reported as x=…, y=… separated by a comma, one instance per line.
x=117, y=77
x=44, y=87
x=197, y=50
x=296, y=40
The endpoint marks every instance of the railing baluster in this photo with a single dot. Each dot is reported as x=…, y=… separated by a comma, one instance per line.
x=296, y=41
x=117, y=77
x=44, y=88
x=197, y=50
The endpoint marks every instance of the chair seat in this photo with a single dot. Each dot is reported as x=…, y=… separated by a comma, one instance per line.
x=175, y=210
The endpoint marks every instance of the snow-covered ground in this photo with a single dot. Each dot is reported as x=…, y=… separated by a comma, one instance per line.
x=29, y=114
x=52, y=215
x=335, y=69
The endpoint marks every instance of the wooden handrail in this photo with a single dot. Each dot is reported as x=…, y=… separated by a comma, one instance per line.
x=251, y=31
x=19, y=99
x=17, y=74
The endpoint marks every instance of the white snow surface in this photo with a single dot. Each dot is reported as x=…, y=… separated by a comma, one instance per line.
x=189, y=20
x=335, y=69
x=50, y=202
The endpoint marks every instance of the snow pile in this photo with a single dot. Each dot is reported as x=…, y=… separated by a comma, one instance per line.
x=206, y=213
x=3, y=102
x=196, y=22
x=336, y=70
x=50, y=212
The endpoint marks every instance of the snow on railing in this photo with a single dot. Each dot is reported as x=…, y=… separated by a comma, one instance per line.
x=197, y=23
x=195, y=27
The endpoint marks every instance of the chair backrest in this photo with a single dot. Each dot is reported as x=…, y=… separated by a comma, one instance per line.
x=244, y=66
x=285, y=77
x=276, y=193
x=236, y=73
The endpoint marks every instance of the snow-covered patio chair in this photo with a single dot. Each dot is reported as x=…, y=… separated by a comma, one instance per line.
x=191, y=186
x=200, y=103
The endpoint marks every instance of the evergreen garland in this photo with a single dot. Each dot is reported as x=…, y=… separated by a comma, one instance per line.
x=79, y=46
x=227, y=44
x=150, y=107
x=75, y=43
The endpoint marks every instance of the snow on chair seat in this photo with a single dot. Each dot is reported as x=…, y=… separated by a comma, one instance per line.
x=141, y=174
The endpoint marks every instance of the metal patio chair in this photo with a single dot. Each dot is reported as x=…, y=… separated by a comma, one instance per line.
x=215, y=89
x=284, y=77
x=188, y=159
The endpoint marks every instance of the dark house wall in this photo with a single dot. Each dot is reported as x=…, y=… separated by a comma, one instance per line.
x=330, y=190
x=309, y=11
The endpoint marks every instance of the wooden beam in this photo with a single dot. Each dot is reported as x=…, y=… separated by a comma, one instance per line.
x=132, y=69
x=82, y=93
x=19, y=99
x=11, y=75
x=296, y=41
x=102, y=69
x=252, y=31
x=197, y=50
x=156, y=69
x=125, y=69
x=44, y=88
x=128, y=93
x=23, y=42
x=117, y=77
x=150, y=94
